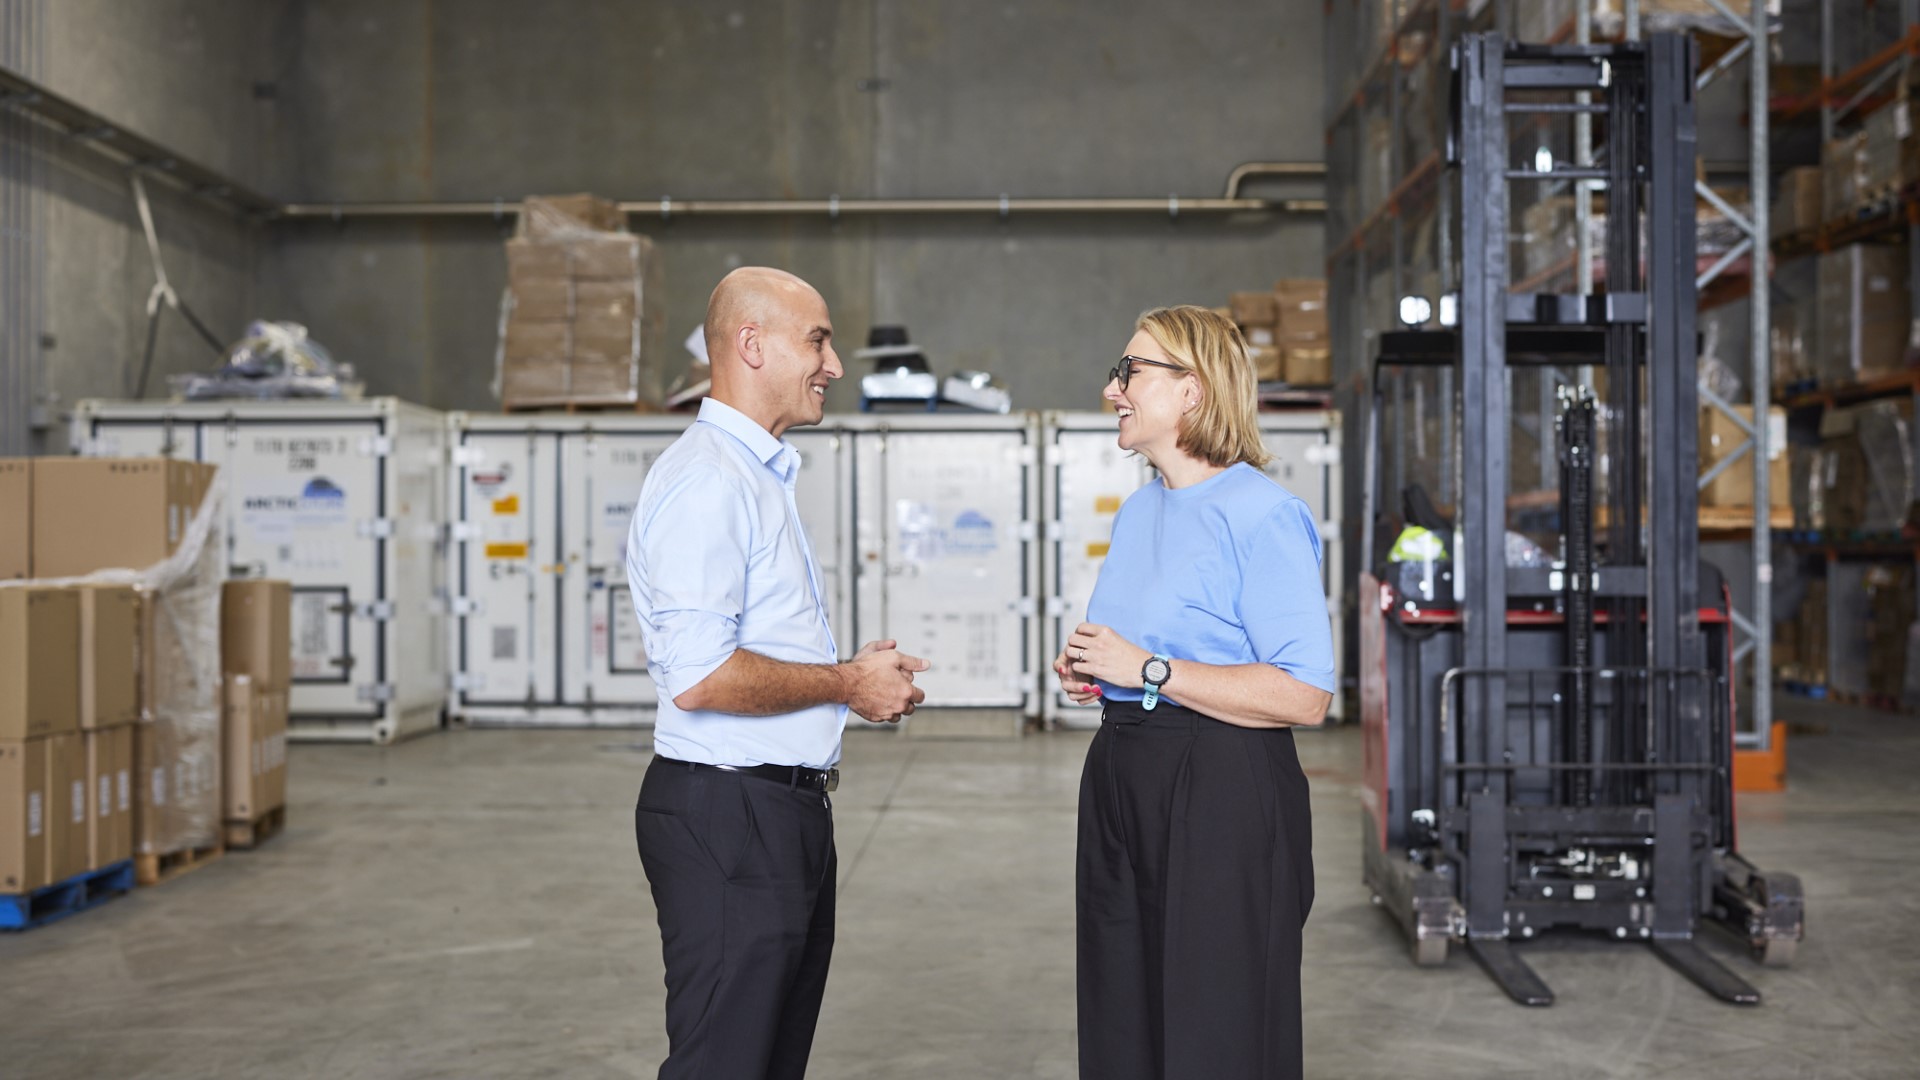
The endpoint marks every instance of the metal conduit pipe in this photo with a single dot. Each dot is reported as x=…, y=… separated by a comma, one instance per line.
x=1297, y=170
x=669, y=208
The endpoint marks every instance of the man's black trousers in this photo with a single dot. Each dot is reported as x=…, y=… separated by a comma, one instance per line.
x=742, y=871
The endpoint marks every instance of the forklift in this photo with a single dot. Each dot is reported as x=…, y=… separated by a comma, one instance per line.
x=1548, y=740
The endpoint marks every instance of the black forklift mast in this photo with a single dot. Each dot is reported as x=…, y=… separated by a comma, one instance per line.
x=1570, y=769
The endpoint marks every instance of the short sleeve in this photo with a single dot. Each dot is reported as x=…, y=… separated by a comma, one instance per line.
x=687, y=567
x=1282, y=602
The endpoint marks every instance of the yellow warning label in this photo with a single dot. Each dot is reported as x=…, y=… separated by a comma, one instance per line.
x=1107, y=504
x=506, y=551
x=508, y=505
x=1097, y=551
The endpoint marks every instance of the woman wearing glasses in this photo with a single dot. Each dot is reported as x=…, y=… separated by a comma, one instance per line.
x=1207, y=641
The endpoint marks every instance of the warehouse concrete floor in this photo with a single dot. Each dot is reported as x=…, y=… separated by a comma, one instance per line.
x=469, y=905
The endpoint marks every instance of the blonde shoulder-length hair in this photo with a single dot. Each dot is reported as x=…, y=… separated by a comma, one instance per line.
x=1223, y=429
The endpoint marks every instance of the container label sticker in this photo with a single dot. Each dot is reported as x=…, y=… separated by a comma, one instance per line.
x=1106, y=504
x=33, y=813
x=506, y=642
x=508, y=505
x=126, y=790
x=106, y=796
x=488, y=482
x=77, y=798
x=972, y=534
x=300, y=528
x=506, y=551
x=159, y=785
x=1098, y=551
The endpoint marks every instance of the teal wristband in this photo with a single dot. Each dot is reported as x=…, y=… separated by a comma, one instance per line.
x=1151, y=690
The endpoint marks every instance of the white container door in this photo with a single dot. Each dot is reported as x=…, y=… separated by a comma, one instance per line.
x=603, y=656
x=824, y=495
x=503, y=558
x=1091, y=477
x=942, y=541
x=308, y=504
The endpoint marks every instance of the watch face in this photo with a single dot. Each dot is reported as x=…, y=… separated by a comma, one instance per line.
x=1157, y=671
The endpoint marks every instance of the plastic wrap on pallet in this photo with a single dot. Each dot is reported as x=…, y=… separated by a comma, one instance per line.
x=1852, y=629
x=1884, y=430
x=1865, y=317
x=181, y=678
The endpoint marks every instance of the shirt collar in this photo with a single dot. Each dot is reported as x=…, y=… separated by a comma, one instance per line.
x=760, y=442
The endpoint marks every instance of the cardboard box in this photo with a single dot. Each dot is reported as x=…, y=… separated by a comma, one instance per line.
x=1864, y=313
x=530, y=340
x=110, y=783
x=110, y=513
x=23, y=816
x=1799, y=207
x=254, y=749
x=536, y=260
x=39, y=662
x=109, y=656
x=68, y=802
x=1253, y=309
x=589, y=380
x=1842, y=173
x=1267, y=363
x=1301, y=306
x=605, y=301
x=543, y=299
x=602, y=341
x=256, y=631
x=608, y=257
x=545, y=217
x=1309, y=366
x=16, y=518
x=1719, y=435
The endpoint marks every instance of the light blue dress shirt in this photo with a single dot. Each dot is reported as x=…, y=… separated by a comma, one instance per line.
x=1226, y=571
x=717, y=561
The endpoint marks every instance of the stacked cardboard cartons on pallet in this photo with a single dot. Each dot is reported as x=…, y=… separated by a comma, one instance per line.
x=574, y=319
x=255, y=654
x=131, y=546
x=1865, y=317
x=1286, y=331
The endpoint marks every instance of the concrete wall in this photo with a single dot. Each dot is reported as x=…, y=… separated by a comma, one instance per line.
x=183, y=73
x=404, y=99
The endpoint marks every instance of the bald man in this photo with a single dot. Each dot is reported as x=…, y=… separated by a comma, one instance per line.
x=734, y=821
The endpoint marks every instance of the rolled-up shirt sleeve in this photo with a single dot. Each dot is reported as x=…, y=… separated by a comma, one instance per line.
x=687, y=566
x=1282, y=602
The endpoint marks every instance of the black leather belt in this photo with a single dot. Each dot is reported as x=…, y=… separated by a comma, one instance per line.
x=796, y=776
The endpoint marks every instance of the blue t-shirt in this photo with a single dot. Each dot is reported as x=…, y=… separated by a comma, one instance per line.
x=1226, y=571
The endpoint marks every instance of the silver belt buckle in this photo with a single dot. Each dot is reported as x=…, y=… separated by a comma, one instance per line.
x=833, y=779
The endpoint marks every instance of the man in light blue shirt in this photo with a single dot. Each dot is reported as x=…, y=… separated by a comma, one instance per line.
x=734, y=824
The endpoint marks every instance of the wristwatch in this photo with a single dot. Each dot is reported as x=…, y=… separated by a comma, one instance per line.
x=1154, y=675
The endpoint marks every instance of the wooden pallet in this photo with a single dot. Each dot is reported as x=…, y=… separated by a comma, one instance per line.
x=244, y=835
x=25, y=911
x=154, y=869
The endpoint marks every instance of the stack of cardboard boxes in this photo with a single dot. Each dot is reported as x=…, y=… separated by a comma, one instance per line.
x=112, y=686
x=1286, y=331
x=68, y=703
x=1865, y=318
x=575, y=311
x=255, y=657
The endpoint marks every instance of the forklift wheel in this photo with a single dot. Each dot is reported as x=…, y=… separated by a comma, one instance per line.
x=1430, y=952
x=1778, y=952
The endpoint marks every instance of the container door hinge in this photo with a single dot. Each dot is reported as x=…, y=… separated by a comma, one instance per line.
x=375, y=528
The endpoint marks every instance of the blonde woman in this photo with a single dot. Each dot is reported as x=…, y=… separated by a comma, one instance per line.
x=1206, y=641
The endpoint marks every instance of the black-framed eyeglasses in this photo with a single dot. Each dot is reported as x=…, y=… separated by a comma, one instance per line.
x=1123, y=371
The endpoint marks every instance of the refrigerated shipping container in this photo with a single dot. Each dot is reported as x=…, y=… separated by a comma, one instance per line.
x=922, y=526
x=345, y=500
x=543, y=629
x=1088, y=477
